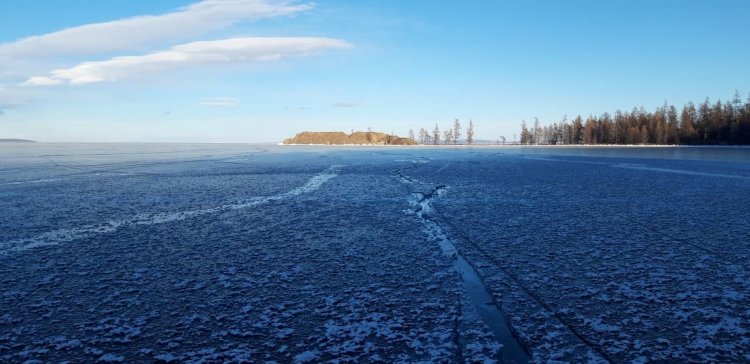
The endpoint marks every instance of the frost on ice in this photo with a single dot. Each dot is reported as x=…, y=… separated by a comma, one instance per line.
x=221, y=254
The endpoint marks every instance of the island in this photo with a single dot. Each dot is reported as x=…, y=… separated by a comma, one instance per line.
x=341, y=138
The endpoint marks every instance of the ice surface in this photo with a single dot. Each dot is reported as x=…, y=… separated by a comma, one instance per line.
x=66, y=235
x=242, y=253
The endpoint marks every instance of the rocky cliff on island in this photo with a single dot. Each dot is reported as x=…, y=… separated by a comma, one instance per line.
x=341, y=138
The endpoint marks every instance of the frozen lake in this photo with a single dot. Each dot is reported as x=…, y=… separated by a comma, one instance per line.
x=256, y=253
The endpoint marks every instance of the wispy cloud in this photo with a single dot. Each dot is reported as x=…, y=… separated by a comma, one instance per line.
x=136, y=32
x=233, y=50
x=220, y=102
x=345, y=104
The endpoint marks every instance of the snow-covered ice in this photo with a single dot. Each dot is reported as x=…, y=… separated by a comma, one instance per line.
x=242, y=253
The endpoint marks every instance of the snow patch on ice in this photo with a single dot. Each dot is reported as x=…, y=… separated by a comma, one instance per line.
x=418, y=160
x=307, y=357
x=111, y=358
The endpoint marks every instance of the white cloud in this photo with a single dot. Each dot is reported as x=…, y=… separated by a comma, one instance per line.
x=220, y=102
x=127, y=34
x=233, y=50
x=42, y=81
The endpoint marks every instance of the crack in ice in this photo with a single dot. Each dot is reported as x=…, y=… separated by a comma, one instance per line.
x=60, y=236
x=44, y=180
x=641, y=167
x=488, y=310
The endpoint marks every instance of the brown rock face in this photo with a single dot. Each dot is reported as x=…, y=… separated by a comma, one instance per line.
x=341, y=138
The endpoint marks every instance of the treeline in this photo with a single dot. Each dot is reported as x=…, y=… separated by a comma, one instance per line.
x=708, y=123
x=451, y=135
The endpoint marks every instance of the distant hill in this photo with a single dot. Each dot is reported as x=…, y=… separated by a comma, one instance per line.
x=341, y=138
x=16, y=141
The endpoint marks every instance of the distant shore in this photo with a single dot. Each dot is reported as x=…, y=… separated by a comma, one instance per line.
x=16, y=141
x=560, y=146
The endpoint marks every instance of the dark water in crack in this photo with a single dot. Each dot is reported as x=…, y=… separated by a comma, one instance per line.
x=491, y=315
x=488, y=311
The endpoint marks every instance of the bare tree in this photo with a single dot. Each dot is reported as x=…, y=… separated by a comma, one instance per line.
x=422, y=136
x=448, y=136
x=502, y=139
x=436, y=135
x=470, y=133
x=456, y=131
x=411, y=134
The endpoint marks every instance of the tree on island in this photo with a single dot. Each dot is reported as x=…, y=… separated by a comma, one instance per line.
x=526, y=136
x=456, y=131
x=422, y=136
x=448, y=136
x=470, y=133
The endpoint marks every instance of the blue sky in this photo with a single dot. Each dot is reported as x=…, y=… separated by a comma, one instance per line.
x=261, y=70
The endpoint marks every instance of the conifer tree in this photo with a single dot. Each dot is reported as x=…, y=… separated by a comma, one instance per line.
x=456, y=131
